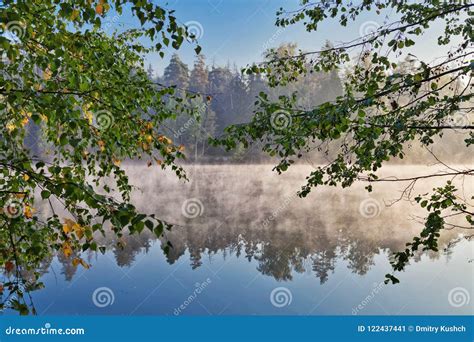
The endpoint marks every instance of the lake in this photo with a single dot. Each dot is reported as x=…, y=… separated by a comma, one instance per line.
x=245, y=244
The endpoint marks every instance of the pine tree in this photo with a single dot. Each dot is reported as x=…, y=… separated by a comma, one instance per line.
x=176, y=73
x=199, y=80
x=240, y=104
x=219, y=81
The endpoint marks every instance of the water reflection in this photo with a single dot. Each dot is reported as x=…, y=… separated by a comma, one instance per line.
x=303, y=235
x=254, y=217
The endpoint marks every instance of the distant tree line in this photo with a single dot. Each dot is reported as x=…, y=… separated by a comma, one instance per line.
x=228, y=97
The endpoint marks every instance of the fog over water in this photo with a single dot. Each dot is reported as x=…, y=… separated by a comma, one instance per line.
x=242, y=231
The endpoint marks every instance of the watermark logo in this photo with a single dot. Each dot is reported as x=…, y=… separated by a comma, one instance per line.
x=281, y=208
x=103, y=296
x=13, y=208
x=199, y=288
x=192, y=208
x=13, y=30
x=370, y=208
x=458, y=296
x=459, y=120
x=377, y=287
x=280, y=297
x=273, y=38
x=14, y=296
x=188, y=124
x=280, y=119
x=194, y=30
x=368, y=28
x=103, y=119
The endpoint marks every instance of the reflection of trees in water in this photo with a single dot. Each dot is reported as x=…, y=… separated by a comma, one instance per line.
x=306, y=236
x=132, y=245
x=280, y=254
x=67, y=267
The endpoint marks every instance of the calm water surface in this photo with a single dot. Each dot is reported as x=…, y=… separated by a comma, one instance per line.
x=244, y=244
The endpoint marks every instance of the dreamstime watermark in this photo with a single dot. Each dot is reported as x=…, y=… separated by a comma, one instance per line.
x=187, y=125
x=103, y=119
x=280, y=119
x=8, y=304
x=199, y=288
x=273, y=38
x=275, y=213
x=370, y=208
x=281, y=297
x=103, y=296
x=195, y=30
x=368, y=28
x=110, y=21
x=13, y=208
x=13, y=31
x=46, y=330
x=192, y=208
x=459, y=120
x=367, y=300
x=459, y=296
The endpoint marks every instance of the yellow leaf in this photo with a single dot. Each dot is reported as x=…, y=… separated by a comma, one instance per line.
x=78, y=230
x=101, y=144
x=24, y=121
x=116, y=161
x=25, y=113
x=28, y=211
x=26, y=177
x=99, y=9
x=44, y=117
x=76, y=261
x=159, y=162
x=66, y=229
x=88, y=116
x=10, y=126
x=149, y=138
x=67, y=250
x=84, y=264
x=67, y=226
x=181, y=148
x=80, y=261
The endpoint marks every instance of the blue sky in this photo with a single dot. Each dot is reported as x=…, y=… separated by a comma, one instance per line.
x=238, y=31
